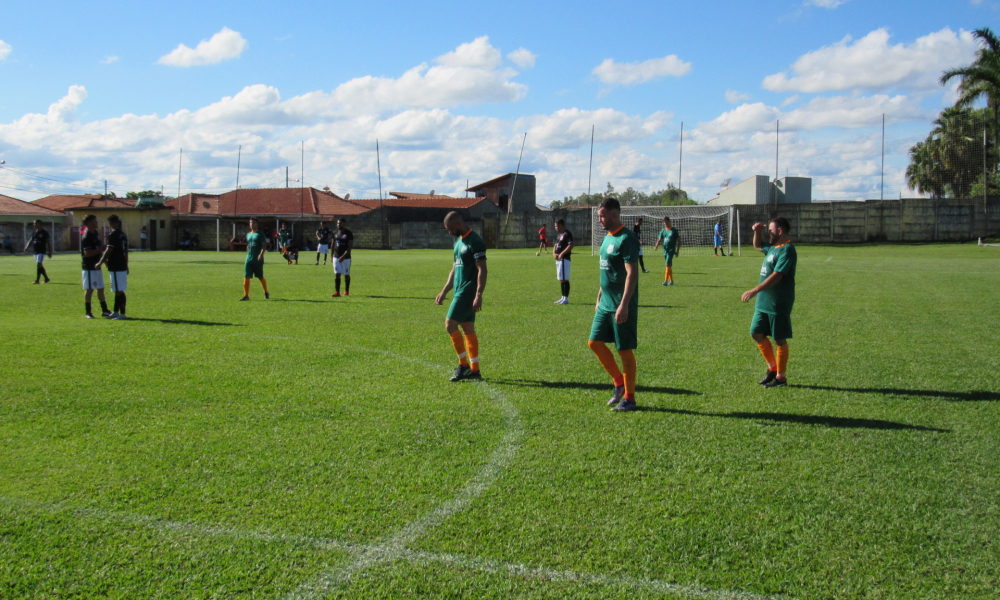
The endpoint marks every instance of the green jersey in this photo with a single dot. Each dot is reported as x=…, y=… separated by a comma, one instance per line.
x=779, y=299
x=469, y=249
x=669, y=239
x=617, y=249
x=255, y=243
x=283, y=236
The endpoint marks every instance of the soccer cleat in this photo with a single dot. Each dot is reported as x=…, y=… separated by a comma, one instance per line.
x=335, y=295
x=474, y=375
x=768, y=378
x=106, y=314
x=561, y=301
x=347, y=293
x=625, y=405
x=666, y=283
x=244, y=298
x=460, y=373
x=670, y=283
x=645, y=271
x=267, y=295
x=36, y=282
x=120, y=318
x=88, y=316
x=617, y=395
x=776, y=382
x=113, y=316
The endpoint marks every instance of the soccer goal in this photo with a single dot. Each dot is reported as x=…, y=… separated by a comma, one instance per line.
x=695, y=224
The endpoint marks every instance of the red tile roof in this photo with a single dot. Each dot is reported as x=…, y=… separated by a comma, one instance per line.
x=13, y=206
x=412, y=196
x=267, y=201
x=79, y=201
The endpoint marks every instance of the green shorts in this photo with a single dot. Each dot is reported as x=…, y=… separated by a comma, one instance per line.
x=606, y=330
x=252, y=269
x=461, y=310
x=778, y=327
x=669, y=258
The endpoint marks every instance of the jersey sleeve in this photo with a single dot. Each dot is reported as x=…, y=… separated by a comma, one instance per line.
x=479, y=250
x=569, y=237
x=766, y=248
x=786, y=262
x=629, y=249
x=350, y=236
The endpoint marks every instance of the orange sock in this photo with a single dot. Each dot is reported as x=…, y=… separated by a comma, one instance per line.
x=782, y=360
x=628, y=365
x=459, y=343
x=472, y=343
x=768, y=352
x=263, y=284
x=608, y=361
x=246, y=286
x=670, y=274
x=666, y=275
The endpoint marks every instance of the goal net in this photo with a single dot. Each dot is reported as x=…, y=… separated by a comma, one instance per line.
x=695, y=224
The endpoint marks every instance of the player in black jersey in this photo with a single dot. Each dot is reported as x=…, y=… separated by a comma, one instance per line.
x=42, y=245
x=561, y=251
x=637, y=230
x=343, y=242
x=116, y=258
x=91, y=250
x=323, y=242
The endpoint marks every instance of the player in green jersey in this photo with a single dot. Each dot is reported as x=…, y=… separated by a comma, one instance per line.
x=616, y=314
x=671, y=240
x=468, y=278
x=254, y=267
x=775, y=296
x=284, y=238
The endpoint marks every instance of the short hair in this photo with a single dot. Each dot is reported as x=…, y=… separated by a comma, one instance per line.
x=561, y=222
x=453, y=216
x=782, y=224
x=114, y=219
x=89, y=218
x=37, y=222
x=666, y=218
x=342, y=219
x=610, y=204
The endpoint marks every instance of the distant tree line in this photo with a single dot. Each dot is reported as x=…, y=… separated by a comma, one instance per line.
x=672, y=196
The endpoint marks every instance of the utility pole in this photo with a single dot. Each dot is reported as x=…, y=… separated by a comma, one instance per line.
x=590, y=172
x=881, y=194
x=180, y=162
x=680, y=167
x=777, y=140
x=378, y=166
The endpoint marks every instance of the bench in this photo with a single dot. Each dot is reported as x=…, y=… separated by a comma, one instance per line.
x=235, y=246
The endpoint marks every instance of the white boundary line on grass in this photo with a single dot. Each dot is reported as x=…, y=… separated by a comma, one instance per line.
x=395, y=548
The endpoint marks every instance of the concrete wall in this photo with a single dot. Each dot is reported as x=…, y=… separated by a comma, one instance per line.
x=521, y=231
x=20, y=230
x=755, y=190
x=794, y=190
x=908, y=220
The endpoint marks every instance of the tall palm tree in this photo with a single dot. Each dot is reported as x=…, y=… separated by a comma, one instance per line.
x=981, y=79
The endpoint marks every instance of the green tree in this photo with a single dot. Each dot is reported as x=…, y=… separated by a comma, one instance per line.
x=950, y=161
x=981, y=79
x=145, y=194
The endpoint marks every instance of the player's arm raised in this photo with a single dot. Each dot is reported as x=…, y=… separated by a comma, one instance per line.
x=447, y=286
x=631, y=280
x=477, y=302
x=758, y=238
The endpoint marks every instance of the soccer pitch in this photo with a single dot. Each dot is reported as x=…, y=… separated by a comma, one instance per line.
x=312, y=447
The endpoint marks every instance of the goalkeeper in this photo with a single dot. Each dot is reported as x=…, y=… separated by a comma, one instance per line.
x=671, y=240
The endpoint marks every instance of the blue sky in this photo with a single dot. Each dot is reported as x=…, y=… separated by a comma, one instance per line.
x=449, y=87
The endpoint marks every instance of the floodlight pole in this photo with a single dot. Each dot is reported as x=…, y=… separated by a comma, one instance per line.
x=236, y=198
x=881, y=194
x=513, y=188
x=680, y=165
x=180, y=162
x=378, y=166
x=777, y=141
x=590, y=171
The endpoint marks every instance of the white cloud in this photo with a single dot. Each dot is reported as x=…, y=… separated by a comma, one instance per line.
x=110, y=60
x=523, y=58
x=4, y=49
x=872, y=64
x=224, y=45
x=830, y=4
x=734, y=97
x=613, y=73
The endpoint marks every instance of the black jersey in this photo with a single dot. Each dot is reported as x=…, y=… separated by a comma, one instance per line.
x=118, y=251
x=343, y=240
x=636, y=229
x=564, y=239
x=91, y=241
x=40, y=241
x=324, y=236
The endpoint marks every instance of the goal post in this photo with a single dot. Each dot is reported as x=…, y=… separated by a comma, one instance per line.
x=695, y=224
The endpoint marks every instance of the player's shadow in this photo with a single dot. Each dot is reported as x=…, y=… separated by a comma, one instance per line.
x=398, y=297
x=821, y=420
x=300, y=300
x=715, y=286
x=658, y=306
x=972, y=396
x=186, y=322
x=579, y=385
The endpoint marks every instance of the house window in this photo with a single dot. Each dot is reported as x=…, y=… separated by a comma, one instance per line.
x=163, y=224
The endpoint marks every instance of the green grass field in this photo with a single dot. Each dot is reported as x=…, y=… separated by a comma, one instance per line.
x=308, y=447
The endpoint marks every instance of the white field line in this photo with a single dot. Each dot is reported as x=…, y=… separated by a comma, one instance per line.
x=394, y=548
x=416, y=557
